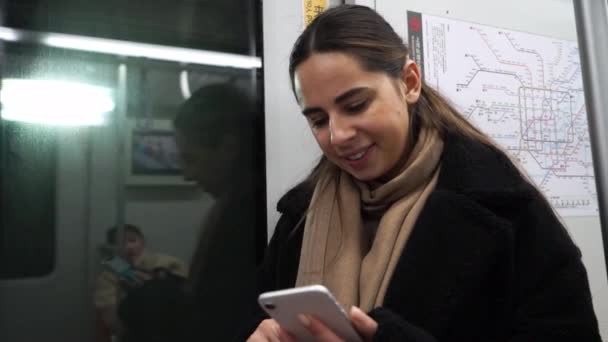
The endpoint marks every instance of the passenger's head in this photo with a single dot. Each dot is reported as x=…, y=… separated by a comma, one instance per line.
x=362, y=95
x=353, y=81
x=357, y=31
x=134, y=241
x=212, y=129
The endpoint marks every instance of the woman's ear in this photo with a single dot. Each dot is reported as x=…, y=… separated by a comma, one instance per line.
x=412, y=80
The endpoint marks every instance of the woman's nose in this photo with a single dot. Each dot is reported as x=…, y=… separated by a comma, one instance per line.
x=340, y=130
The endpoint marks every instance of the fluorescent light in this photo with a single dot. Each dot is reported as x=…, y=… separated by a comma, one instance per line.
x=55, y=102
x=9, y=35
x=184, y=85
x=132, y=49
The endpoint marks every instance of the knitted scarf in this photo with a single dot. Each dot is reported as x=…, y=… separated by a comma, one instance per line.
x=336, y=251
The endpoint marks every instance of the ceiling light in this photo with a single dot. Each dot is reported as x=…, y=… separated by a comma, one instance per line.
x=131, y=49
x=55, y=102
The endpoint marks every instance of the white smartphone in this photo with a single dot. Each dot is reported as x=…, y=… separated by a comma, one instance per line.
x=120, y=267
x=285, y=306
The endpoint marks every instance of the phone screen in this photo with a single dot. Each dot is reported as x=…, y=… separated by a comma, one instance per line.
x=120, y=267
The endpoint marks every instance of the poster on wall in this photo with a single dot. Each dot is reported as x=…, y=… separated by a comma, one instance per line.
x=151, y=155
x=522, y=89
x=154, y=153
x=312, y=8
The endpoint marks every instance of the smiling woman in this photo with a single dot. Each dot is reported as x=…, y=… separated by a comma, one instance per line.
x=361, y=120
x=413, y=214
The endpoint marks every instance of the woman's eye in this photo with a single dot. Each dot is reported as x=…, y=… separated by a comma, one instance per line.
x=318, y=122
x=357, y=106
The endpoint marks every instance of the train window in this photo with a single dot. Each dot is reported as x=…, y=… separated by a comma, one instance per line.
x=133, y=130
x=212, y=25
x=27, y=230
x=46, y=97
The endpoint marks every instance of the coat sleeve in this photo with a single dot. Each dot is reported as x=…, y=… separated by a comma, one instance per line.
x=266, y=276
x=391, y=327
x=553, y=299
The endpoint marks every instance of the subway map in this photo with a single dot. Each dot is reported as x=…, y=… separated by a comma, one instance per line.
x=524, y=90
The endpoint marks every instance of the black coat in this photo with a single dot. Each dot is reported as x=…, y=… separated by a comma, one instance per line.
x=488, y=260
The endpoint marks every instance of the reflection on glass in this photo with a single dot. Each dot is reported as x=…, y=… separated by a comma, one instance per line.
x=126, y=267
x=83, y=133
x=27, y=230
x=55, y=102
x=154, y=153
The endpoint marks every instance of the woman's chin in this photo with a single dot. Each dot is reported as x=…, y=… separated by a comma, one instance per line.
x=363, y=176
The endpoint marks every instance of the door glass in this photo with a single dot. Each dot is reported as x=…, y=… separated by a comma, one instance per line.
x=132, y=154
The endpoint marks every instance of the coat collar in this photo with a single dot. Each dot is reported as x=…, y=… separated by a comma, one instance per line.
x=470, y=167
x=455, y=247
x=296, y=200
x=462, y=238
x=483, y=174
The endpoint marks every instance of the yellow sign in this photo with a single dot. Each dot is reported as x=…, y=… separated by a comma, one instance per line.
x=312, y=8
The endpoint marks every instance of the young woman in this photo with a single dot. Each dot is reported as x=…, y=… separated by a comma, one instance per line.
x=414, y=219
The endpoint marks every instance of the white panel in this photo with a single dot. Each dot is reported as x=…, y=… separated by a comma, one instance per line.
x=290, y=148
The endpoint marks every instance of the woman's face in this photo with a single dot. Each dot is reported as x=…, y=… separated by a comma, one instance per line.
x=208, y=166
x=359, y=118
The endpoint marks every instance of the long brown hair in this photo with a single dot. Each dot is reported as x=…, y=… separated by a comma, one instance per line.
x=363, y=34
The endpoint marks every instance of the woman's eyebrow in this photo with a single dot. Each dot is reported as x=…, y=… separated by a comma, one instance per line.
x=340, y=98
x=349, y=94
x=310, y=110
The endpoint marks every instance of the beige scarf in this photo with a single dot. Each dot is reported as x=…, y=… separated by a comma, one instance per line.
x=335, y=252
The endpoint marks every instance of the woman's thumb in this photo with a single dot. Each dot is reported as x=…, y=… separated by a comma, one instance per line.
x=364, y=324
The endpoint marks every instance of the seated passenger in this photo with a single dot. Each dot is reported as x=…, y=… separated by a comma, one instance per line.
x=109, y=288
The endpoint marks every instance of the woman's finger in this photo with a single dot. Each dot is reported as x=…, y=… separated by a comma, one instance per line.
x=257, y=336
x=284, y=336
x=319, y=330
x=267, y=331
x=365, y=325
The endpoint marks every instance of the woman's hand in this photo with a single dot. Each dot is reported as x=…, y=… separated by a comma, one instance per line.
x=269, y=330
x=365, y=326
